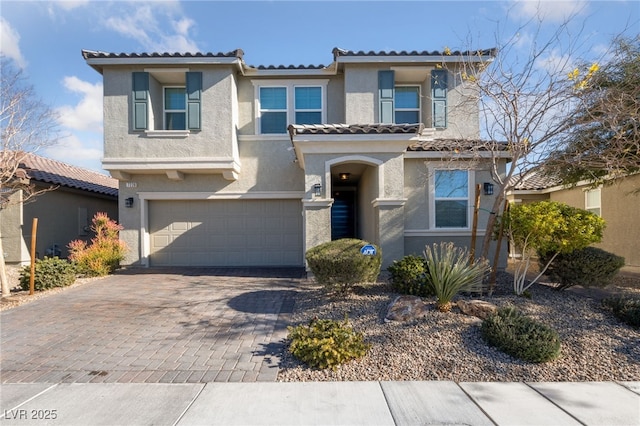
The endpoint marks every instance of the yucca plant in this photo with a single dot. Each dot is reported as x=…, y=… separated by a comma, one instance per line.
x=450, y=271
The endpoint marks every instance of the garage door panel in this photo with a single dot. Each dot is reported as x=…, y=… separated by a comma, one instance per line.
x=226, y=233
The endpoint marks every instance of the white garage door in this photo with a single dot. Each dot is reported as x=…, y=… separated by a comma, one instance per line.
x=226, y=233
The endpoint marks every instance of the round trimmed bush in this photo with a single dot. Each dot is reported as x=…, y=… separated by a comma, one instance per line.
x=338, y=265
x=589, y=267
x=520, y=336
x=408, y=276
x=326, y=343
x=625, y=308
x=50, y=272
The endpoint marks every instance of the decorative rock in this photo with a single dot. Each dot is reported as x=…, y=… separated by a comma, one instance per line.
x=477, y=308
x=406, y=308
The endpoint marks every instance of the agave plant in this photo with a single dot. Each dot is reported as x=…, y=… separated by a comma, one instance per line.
x=450, y=271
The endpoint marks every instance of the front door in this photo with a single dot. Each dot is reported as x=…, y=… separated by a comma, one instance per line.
x=343, y=214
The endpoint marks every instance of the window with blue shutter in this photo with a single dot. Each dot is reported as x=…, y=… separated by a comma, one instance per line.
x=439, y=98
x=194, y=95
x=140, y=101
x=386, y=83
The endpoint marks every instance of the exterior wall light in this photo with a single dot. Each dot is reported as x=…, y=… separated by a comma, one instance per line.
x=317, y=189
x=128, y=202
x=488, y=188
x=344, y=176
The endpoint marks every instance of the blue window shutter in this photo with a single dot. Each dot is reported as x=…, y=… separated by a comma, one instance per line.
x=439, y=98
x=140, y=99
x=194, y=97
x=386, y=83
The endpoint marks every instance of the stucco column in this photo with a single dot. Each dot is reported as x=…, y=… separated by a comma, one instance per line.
x=316, y=221
x=390, y=215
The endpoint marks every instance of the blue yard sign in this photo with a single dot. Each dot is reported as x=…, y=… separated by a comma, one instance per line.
x=368, y=250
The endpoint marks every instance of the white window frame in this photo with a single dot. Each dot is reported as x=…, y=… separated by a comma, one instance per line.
x=322, y=102
x=396, y=109
x=590, y=208
x=432, y=197
x=165, y=110
x=290, y=86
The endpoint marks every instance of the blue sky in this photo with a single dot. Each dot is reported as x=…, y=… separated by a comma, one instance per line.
x=44, y=38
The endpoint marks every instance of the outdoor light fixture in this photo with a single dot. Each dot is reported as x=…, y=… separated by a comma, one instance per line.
x=317, y=189
x=488, y=188
x=344, y=176
x=128, y=202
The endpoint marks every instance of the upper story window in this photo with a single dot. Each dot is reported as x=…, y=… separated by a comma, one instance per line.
x=402, y=103
x=273, y=110
x=280, y=103
x=407, y=104
x=593, y=201
x=166, y=99
x=175, y=108
x=450, y=199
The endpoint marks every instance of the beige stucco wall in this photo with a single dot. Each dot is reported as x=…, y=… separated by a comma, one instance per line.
x=620, y=208
x=62, y=215
x=11, y=223
x=417, y=227
x=362, y=100
x=218, y=121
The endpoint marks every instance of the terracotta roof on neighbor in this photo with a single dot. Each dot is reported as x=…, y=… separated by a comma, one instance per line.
x=457, y=144
x=353, y=129
x=342, y=52
x=54, y=172
x=90, y=54
x=534, y=180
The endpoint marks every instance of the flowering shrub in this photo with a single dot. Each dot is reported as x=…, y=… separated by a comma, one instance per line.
x=105, y=252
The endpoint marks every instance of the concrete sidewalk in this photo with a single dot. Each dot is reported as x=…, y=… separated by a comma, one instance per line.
x=322, y=403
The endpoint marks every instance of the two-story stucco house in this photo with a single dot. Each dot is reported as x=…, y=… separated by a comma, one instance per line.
x=225, y=164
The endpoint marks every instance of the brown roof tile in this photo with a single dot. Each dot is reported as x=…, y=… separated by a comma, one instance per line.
x=54, y=172
x=354, y=129
x=457, y=144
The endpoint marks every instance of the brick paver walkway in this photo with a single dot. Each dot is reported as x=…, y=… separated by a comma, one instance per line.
x=155, y=326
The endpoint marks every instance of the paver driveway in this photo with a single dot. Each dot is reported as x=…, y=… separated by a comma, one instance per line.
x=179, y=326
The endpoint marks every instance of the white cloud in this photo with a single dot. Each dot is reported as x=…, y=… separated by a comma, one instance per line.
x=9, y=46
x=83, y=152
x=157, y=29
x=550, y=10
x=555, y=63
x=71, y=4
x=86, y=114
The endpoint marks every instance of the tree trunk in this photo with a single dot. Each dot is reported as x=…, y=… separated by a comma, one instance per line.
x=6, y=291
x=493, y=216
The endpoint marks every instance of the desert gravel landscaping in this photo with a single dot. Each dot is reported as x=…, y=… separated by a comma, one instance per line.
x=448, y=346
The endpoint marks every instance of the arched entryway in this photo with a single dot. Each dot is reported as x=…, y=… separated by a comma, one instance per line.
x=354, y=185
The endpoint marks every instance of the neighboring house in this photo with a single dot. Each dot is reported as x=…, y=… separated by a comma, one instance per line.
x=64, y=213
x=618, y=203
x=226, y=164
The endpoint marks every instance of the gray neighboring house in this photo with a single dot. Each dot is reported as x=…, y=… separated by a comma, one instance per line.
x=618, y=203
x=64, y=214
x=222, y=163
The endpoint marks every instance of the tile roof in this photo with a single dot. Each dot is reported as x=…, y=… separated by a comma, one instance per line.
x=46, y=170
x=342, y=52
x=457, y=144
x=91, y=54
x=533, y=180
x=354, y=129
x=239, y=53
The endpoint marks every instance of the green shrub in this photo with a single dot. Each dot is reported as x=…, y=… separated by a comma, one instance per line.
x=449, y=271
x=520, y=336
x=106, y=251
x=50, y=272
x=338, y=265
x=408, y=276
x=625, y=308
x=588, y=267
x=326, y=343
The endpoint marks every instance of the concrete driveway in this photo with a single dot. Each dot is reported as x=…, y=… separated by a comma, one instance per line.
x=153, y=326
